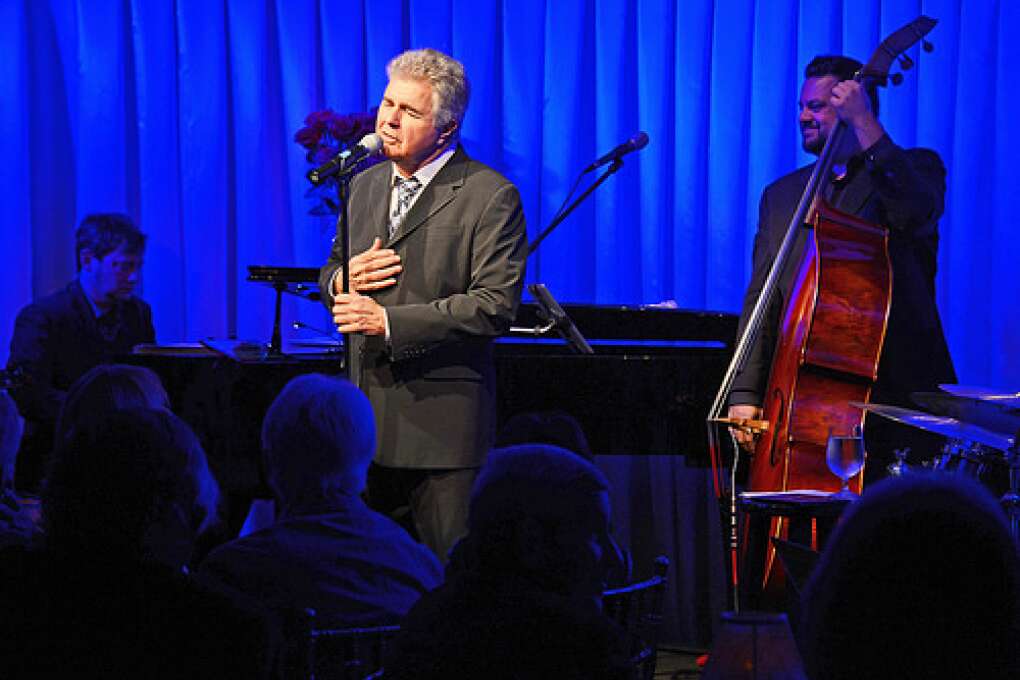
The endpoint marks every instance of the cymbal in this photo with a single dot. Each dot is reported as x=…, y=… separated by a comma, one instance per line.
x=988, y=414
x=1007, y=400
x=943, y=425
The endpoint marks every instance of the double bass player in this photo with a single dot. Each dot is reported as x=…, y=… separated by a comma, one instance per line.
x=875, y=179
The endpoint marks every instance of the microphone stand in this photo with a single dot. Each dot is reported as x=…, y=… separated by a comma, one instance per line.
x=616, y=165
x=343, y=230
x=555, y=315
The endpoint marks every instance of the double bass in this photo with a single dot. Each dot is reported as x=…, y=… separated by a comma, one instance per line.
x=829, y=340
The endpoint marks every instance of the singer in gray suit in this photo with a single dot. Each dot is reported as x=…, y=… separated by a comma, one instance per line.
x=441, y=248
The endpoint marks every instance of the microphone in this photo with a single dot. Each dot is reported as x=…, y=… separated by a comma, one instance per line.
x=345, y=161
x=635, y=143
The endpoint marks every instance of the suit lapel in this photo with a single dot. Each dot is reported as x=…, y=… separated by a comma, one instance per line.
x=439, y=192
x=377, y=203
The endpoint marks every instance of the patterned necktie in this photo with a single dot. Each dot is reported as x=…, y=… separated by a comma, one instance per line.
x=406, y=189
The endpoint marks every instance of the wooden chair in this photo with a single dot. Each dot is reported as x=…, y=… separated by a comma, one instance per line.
x=637, y=608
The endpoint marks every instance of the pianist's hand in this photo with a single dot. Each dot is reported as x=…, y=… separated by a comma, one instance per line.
x=745, y=411
x=354, y=313
x=373, y=269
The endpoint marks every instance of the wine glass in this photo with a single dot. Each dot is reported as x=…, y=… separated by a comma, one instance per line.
x=845, y=457
x=900, y=467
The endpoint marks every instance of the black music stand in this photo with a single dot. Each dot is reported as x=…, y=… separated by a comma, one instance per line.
x=559, y=319
x=300, y=281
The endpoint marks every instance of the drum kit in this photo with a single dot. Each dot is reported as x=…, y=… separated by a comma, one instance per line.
x=982, y=431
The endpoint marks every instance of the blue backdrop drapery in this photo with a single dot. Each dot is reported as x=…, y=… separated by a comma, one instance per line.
x=182, y=113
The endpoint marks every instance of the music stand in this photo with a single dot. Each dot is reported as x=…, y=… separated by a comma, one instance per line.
x=300, y=281
x=563, y=324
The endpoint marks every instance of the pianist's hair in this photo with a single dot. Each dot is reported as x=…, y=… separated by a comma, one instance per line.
x=103, y=233
x=450, y=87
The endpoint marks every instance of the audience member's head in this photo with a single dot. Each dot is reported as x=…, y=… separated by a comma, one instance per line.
x=548, y=427
x=541, y=512
x=107, y=388
x=920, y=580
x=11, y=426
x=318, y=439
x=129, y=485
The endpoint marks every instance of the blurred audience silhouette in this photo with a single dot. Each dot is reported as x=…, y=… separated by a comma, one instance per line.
x=522, y=597
x=545, y=427
x=107, y=388
x=17, y=524
x=107, y=595
x=920, y=580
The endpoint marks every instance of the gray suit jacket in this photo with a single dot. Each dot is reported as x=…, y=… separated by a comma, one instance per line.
x=462, y=247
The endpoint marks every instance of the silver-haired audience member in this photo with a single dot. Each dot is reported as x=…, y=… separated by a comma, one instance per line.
x=327, y=551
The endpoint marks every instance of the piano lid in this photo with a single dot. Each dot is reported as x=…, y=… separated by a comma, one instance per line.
x=638, y=325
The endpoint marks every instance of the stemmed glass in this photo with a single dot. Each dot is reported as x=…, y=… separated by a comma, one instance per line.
x=900, y=467
x=845, y=457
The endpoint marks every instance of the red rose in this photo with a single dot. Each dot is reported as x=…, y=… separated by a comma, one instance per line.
x=320, y=117
x=308, y=137
x=342, y=127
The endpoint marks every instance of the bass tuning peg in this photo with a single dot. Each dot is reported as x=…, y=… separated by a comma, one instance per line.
x=896, y=78
x=906, y=63
x=927, y=46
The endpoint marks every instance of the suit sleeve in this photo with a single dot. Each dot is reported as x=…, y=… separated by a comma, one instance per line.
x=328, y=271
x=487, y=307
x=911, y=185
x=32, y=350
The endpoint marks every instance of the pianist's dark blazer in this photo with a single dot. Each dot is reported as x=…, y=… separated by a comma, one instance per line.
x=56, y=340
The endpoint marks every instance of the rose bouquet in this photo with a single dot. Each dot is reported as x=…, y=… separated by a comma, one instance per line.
x=325, y=134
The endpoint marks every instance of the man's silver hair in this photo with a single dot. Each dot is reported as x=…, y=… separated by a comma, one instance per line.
x=450, y=87
x=318, y=437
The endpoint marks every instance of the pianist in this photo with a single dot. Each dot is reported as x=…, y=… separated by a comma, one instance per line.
x=58, y=338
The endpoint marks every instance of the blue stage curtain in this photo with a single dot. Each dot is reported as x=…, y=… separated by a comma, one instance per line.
x=182, y=114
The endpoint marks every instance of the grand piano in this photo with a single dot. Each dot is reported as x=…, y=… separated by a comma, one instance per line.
x=644, y=390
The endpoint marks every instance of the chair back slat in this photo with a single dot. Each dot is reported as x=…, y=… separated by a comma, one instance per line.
x=348, y=653
x=637, y=608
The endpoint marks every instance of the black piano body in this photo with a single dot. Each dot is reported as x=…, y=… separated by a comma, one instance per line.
x=647, y=388
x=645, y=391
